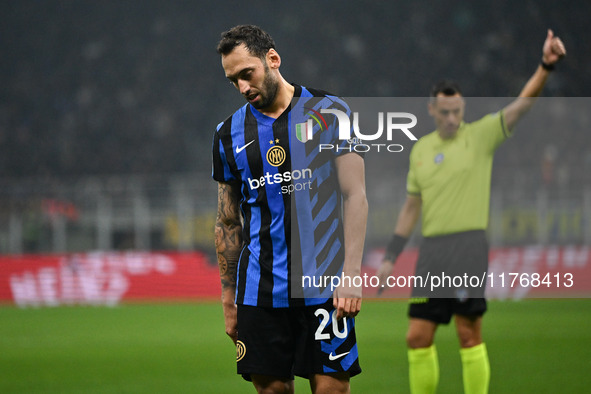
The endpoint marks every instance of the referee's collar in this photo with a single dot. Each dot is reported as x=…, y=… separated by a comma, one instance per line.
x=457, y=133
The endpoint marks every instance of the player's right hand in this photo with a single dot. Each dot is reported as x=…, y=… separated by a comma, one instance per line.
x=231, y=320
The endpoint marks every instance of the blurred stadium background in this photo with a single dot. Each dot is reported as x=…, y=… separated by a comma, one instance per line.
x=107, y=110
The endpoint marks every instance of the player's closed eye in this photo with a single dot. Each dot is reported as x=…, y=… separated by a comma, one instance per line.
x=245, y=76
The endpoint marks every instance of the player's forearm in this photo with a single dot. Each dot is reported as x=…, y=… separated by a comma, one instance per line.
x=228, y=239
x=351, y=175
x=355, y=210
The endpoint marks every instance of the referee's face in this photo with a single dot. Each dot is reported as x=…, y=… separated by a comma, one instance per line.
x=252, y=76
x=448, y=113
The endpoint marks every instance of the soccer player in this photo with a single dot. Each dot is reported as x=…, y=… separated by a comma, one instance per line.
x=279, y=213
x=448, y=185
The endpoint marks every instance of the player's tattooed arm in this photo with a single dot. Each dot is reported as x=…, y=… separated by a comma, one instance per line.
x=228, y=244
x=228, y=234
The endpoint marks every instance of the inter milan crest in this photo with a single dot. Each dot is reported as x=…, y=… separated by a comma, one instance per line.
x=275, y=154
x=240, y=350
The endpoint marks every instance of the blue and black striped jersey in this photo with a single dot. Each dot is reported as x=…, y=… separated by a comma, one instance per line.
x=290, y=197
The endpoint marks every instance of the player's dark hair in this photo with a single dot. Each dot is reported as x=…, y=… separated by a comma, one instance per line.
x=448, y=88
x=257, y=41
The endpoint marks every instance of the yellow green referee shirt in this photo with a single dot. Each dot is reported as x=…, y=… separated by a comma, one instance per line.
x=453, y=176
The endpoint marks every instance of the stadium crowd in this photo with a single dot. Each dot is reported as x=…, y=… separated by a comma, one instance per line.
x=95, y=88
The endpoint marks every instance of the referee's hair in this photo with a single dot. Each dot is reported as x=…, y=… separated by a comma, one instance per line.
x=257, y=41
x=446, y=87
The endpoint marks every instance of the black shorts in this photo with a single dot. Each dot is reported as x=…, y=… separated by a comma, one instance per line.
x=440, y=310
x=458, y=263
x=301, y=341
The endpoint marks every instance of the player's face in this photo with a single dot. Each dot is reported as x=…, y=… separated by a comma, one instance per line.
x=448, y=113
x=251, y=76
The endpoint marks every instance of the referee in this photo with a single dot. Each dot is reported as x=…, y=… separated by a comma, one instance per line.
x=448, y=185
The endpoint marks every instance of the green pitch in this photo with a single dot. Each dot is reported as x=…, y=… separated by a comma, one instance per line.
x=535, y=346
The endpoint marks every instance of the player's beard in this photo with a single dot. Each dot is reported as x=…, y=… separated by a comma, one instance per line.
x=268, y=91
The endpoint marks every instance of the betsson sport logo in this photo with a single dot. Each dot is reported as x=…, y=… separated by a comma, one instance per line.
x=276, y=156
x=304, y=131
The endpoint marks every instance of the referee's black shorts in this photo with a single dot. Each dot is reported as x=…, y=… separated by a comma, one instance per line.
x=457, y=264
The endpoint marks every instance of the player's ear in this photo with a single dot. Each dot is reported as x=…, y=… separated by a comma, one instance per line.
x=273, y=59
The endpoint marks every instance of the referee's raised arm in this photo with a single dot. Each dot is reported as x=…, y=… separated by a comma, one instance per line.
x=552, y=51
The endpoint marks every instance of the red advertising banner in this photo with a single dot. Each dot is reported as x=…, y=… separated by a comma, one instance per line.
x=524, y=272
x=537, y=271
x=105, y=278
x=108, y=278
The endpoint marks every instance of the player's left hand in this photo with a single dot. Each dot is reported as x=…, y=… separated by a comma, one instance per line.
x=347, y=301
x=553, y=49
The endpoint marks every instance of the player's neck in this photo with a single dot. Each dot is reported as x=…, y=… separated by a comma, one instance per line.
x=282, y=100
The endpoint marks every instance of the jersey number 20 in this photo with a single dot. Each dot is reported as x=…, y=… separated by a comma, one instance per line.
x=320, y=335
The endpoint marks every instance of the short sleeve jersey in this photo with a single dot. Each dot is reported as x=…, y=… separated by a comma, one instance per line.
x=290, y=200
x=453, y=176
